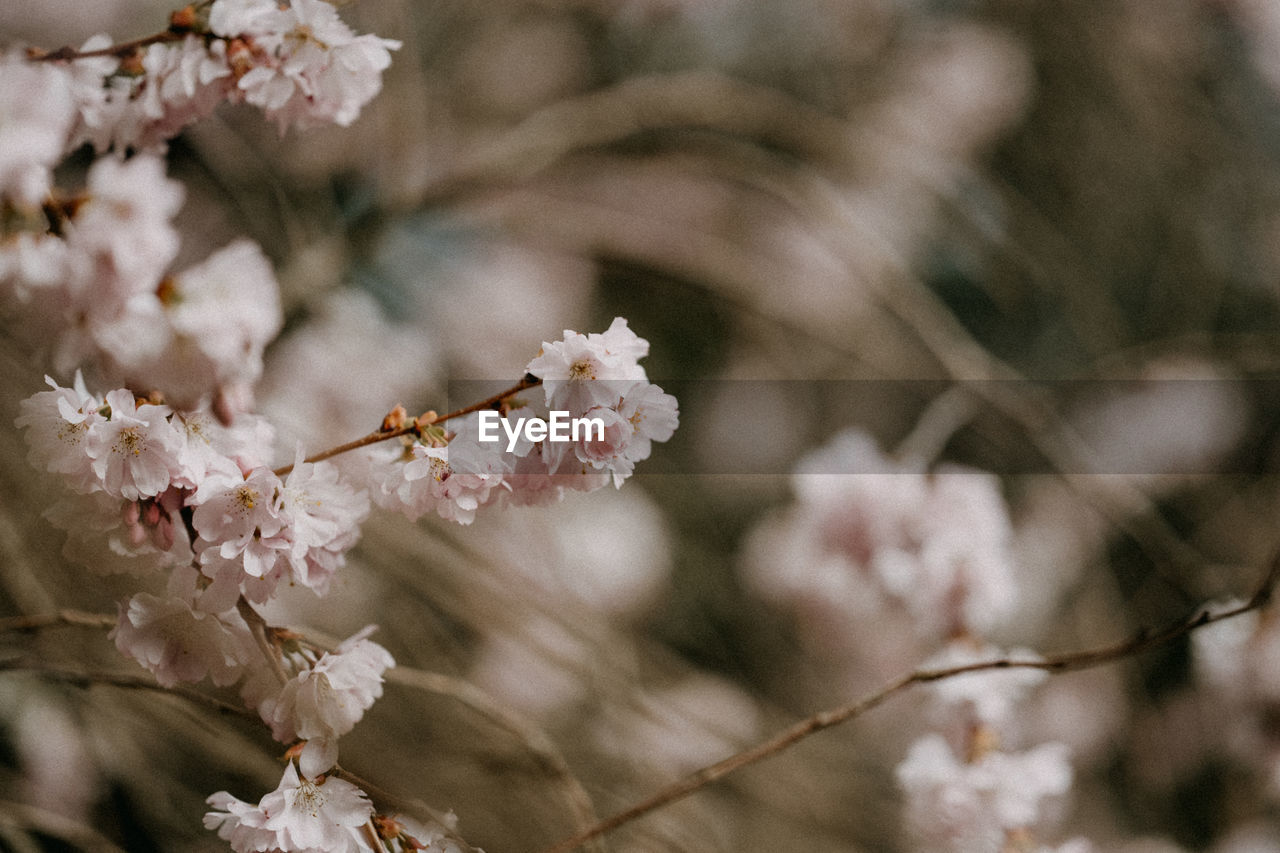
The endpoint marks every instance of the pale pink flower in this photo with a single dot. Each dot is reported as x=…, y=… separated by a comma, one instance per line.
x=986, y=698
x=582, y=372
x=326, y=701
x=604, y=453
x=176, y=641
x=36, y=116
x=123, y=230
x=242, y=518
x=325, y=516
x=136, y=451
x=311, y=68
x=216, y=318
x=300, y=816
x=32, y=266
x=101, y=537
x=653, y=416
x=58, y=424
x=451, y=481
x=952, y=805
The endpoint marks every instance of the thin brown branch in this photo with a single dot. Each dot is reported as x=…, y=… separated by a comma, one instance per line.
x=389, y=802
x=414, y=426
x=530, y=736
x=71, y=832
x=58, y=618
x=258, y=628
x=1141, y=642
x=83, y=678
x=121, y=50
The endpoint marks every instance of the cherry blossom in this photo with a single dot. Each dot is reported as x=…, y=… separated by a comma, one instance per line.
x=244, y=518
x=325, y=701
x=953, y=805
x=136, y=450
x=301, y=815
x=36, y=115
x=177, y=641
x=58, y=424
x=325, y=516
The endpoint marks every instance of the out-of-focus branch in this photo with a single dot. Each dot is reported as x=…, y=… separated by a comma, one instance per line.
x=696, y=100
x=538, y=745
x=73, y=833
x=83, y=678
x=1143, y=641
x=63, y=617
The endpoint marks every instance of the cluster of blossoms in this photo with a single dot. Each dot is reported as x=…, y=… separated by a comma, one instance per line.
x=883, y=562
x=870, y=537
x=168, y=475
x=86, y=275
x=299, y=63
x=176, y=494
x=593, y=376
x=95, y=289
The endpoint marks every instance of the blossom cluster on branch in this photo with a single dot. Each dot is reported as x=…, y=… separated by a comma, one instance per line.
x=167, y=475
x=880, y=559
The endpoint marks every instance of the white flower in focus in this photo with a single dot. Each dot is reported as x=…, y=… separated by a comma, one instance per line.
x=178, y=642
x=606, y=453
x=653, y=414
x=326, y=701
x=310, y=67
x=36, y=117
x=619, y=341
x=582, y=372
x=299, y=816
x=58, y=425
x=452, y=481
x=136, y=451
x=242, y=518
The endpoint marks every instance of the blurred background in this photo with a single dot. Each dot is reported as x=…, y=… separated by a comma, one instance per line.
x=1031, y=238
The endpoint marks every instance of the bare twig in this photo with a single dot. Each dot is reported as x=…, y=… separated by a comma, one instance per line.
x=530, y=736
x=1141, y=642
x=416, y=425
x=72, y=832
x=57, y=618
x=83, y=678
x=258, y=628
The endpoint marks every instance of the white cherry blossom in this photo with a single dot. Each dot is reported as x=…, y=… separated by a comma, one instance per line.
x=325, y=701
x=136, y=450
x=300, y=816
x=176, y=641
x=242, y=518
x=58, y=424
x=36, y=116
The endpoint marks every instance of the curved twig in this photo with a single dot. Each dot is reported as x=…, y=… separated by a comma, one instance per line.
x=1141, y=642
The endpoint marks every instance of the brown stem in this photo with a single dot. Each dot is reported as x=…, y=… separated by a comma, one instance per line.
x=1142, y=641
x=123, y=49
x=37, y=621
x=529, y=381
x=258, y=628
x=80, y=678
